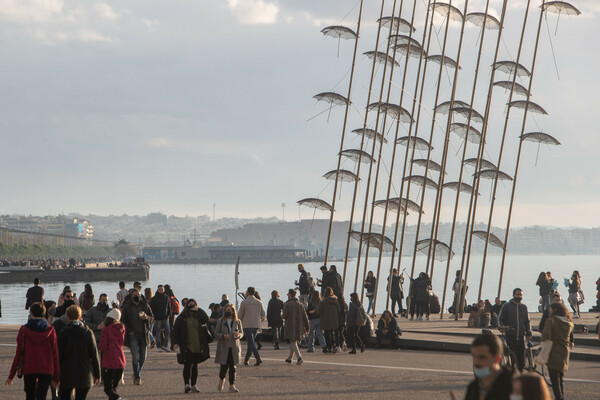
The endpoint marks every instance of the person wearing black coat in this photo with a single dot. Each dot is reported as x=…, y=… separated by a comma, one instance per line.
x=492, y=381
x=194, y=348
x=274, y=319
x=78, y=357
x=161, y=308
x=422, y=284
x=387, y=328
x=329, y=280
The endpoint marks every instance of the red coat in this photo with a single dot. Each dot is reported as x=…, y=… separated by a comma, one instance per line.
x=111, y=346
x=41, y=350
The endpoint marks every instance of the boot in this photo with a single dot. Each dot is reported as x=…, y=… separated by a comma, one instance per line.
x=246, y=360
x=258, y=361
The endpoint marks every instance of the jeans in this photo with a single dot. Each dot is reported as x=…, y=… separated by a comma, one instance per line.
x=151, y=332
x=250, y=335
x=158, y=326
x=43, y=382
x=370, y=304
x=546, y=302
x=314, y=327
x=518, y=346
x=137, y=345
x=112, y=377
x=556, y=377
x=229, y=366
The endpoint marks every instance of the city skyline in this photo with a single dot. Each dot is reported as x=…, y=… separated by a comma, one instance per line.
x=142, y=107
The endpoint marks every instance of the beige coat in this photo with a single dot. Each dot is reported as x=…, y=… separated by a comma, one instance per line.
x=558, y=330
x=296, y=321
x=223, y=345
x=251, y=312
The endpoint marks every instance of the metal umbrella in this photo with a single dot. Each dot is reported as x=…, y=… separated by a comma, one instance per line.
x=462, y=130
x=528, y=105
x=339, y=32
x=540, y=138
x=443, y=60
x=478, y=18
x=464, y=187
x=421, y=181
x=334, y=99
x=396, y=24
x=370, y=134
x=358, y=155
x=392, y=110
x=421, y=162
x=519, y=89
x=510, y=67
x=494, y=240
x=382, y=58
x=446, y=10
x=483, y=163
x=344, y=176
x=440, y=249
x=413, y=141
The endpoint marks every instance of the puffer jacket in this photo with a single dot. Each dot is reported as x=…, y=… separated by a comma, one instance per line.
x=111, y=346
x=515, y=316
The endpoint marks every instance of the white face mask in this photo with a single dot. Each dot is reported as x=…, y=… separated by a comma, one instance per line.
x=516, y=397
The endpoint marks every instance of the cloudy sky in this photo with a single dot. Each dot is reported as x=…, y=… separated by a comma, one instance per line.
x=141, y=106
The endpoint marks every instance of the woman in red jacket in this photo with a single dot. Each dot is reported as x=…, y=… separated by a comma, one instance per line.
x=37, y=342
x=113, y=357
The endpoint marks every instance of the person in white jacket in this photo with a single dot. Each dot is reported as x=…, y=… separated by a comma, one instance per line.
x=251, y=314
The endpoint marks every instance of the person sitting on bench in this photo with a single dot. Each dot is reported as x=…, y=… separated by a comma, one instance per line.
x=387, y=328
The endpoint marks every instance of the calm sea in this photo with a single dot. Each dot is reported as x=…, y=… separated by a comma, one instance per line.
x=206, y=283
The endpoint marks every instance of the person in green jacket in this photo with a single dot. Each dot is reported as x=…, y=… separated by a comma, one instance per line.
x=557, y=329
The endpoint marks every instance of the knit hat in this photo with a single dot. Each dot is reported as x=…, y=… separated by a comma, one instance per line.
x=114, y=314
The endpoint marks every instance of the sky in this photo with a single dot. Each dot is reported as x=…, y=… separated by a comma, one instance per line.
x=143, y=106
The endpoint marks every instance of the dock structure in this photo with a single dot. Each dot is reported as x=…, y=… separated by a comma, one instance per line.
x=91, y=273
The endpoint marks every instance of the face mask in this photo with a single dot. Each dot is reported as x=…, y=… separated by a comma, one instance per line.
x=482, y=373
x=103, y=305
x=516, y=397
x=136, y=298
x=52, y=311
x=227, y=314
x=518, y=299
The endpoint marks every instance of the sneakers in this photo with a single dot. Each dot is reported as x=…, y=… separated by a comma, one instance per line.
x=362, y=348
x=352, y=352
x=166, y=349
x=427, y=317
x=288, y=360
x=187, y=389
x=194, y=389
x=246, y=361
x=137, y=381
x=299, y=362
x=276, y=347
x=412, y=318
x=152, y=345
x=160, y=350
x=221, y=385
x=310, y=350
x=335, y=350
x=233, y=389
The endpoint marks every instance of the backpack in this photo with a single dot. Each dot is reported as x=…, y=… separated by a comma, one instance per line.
x=174, y=305
x=361, y=318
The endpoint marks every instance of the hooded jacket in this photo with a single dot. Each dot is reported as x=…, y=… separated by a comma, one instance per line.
x=558, y=330
x=41, y=351
x=515, y=316
x=111, y=346
x=329, y=310
x=78, y=356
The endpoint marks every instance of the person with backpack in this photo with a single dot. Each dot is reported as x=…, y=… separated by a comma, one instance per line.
x=36, y=356
x=357, y=317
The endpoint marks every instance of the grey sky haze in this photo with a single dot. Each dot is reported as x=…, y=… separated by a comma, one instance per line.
x=141, y=106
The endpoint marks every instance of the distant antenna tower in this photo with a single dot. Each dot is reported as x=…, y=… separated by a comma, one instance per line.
x=283, y=210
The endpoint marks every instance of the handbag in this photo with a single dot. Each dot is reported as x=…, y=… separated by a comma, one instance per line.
x=207, y=334
x=21, y=363
x=180, y=358
x=544, y=354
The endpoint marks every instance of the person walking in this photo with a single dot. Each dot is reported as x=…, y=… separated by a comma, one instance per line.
x=121, y=294
x=314, y=322
x=96, y=316
x=557, y=330
x=574, y=295
x=175, y=308
x=86, y=298
x=303, y=285
x=191, y=339
x=274, y=320
x=228, y=332
x=161, y=308
x=395, y=290
x=356, y=319
x=370, y=284
x=545, y=289
x=329, y=311
x=113, y=356
x=296, y=325
x=492, y=380
x=514, y=322
x=135, y=316
x=38, y=349
x=35, y=294
x=78, y=357
x=251, y=314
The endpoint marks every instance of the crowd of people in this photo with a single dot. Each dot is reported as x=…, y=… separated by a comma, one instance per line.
x=51, y=263
x=78, y=341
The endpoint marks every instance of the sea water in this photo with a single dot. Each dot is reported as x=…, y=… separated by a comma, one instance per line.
x=207, y=282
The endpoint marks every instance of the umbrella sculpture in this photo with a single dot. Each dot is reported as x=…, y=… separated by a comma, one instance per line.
x=464, y=187
x=421, y=181
x=441, y=250
x=433, y=166
x=468, y=111
x=344, y=176
x=339, y=32
x=494, y=240
x=410, y=50
x=378, y=241
x=493, y=174
x=510, y=67
x=370, y=134
x=478, y=18
x=528, y=105
x=444, y=107
x=414, y=142
x=382, y=58
x=462, y=130
x=393, y=110
x=540, y=138
x=392, y=204
x=483, y=163
x=396, y=24
x=403, y=39
x=559, y=7
x=358, y=155
x=443, y=60
x=334, y=99
x=317, y=204
x=519, y=89
x=447, y=10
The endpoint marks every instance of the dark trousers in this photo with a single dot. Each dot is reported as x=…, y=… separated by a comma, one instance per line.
x=190, y=370
x=111, y=380
x=518, y=346
x=80, y=393
x=396, y=299
x=276, y=334
x=413, y=306
x=353, y=338
x=339, y=336
x=36, y=386
x=389, y=335
x=556, y=377
x=229, y=366
x=329, y=338
x=422, y=308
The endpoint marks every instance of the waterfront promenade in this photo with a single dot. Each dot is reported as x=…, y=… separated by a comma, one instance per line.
x=383, y=373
